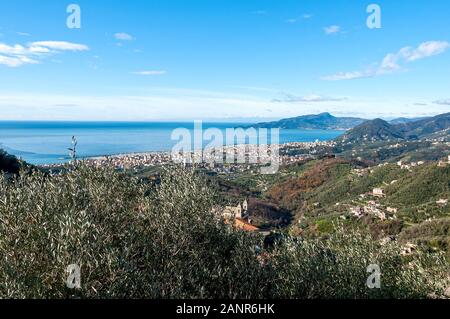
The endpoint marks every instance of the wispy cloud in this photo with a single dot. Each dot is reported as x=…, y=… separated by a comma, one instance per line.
x=187, y=104
x=298, y=19
x=442, y=102
x=333, y=29
x=58, y=46
x=290, y=98
x=351, y=75
x=123, y=36
x=259, y=12
x=394, y=62
x=150, y=72
x=256, y=88
x=16, y=61
x=24, y=34
x=18, y=55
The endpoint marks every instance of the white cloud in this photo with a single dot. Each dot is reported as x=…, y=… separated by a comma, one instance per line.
x=14, y=62
x=349, y=76
x=442, y=102
x=18, y=55
x=60, y=46
x=150, y=72
x=332, y=29
x=394, y=62
x=12, y=50
x=425, y=50
x=38, y=50
x=123, y=36
x=24, y=34
x=307, y=16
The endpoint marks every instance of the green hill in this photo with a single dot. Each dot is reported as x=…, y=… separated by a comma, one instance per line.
x=329, y=190
x=422, y=128
x=379, y=130
x=323, y=121
x=371, y=131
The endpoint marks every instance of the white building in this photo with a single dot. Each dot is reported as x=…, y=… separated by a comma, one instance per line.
x=378, y=192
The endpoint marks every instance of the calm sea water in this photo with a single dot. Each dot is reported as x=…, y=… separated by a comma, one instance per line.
x=47, y=142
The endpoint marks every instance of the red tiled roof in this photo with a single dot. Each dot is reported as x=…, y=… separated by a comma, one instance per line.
x=242, y=224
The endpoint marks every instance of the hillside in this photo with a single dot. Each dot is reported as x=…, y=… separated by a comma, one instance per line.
x=425, y=127
x=323, y=121
x=380, y=130
x=319, y=193
x=372, y=131
x=402, y=120
x=332, y=190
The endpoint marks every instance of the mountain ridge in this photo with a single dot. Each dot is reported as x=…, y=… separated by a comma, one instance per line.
x=322, y=121
x=380, y=130
x=326, y=121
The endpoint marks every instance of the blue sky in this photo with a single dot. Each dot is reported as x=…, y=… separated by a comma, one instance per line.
x=217, y=59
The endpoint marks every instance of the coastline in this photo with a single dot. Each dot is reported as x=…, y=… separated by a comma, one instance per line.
x=155, y=158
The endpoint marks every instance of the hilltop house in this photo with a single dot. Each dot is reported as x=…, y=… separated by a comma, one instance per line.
x=378, y=192
x=392, y=210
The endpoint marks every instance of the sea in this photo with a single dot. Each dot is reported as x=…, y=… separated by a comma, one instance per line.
x=42, y=143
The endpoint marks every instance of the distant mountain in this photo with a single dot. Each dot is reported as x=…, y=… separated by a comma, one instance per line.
x=403, y=120
x=323, y=121
x=380, y=130
x=371, y=131
x=425, y=127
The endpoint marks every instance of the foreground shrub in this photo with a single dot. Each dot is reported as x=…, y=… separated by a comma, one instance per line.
x=133, y=240
x=129, y=242
x=338, y=267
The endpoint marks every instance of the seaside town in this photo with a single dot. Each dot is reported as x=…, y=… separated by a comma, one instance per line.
x=226, y=159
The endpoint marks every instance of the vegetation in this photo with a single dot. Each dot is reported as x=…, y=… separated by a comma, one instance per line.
x=162, y=240
x=374, y=130
x=434, y=234
x=320, y=192
x=380, y=130
x=393, y=151
x=9, y=163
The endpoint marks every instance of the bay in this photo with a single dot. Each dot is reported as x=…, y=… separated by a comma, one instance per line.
x=48, y=142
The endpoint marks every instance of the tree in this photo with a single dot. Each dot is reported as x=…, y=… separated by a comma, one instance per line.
x=9, y=163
